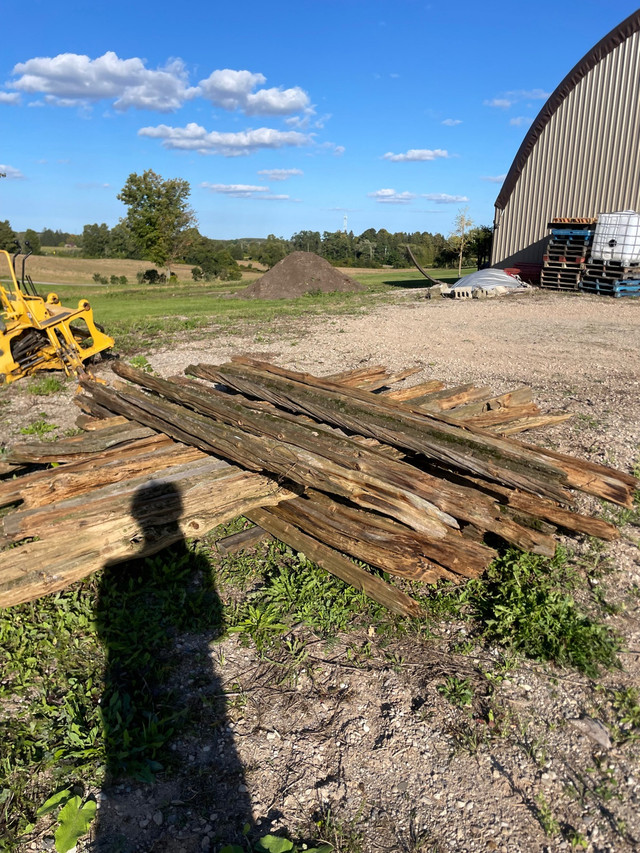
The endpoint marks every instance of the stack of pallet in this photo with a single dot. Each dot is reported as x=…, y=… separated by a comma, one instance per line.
x=423, y=482
x=567, y=253
x=611, y=278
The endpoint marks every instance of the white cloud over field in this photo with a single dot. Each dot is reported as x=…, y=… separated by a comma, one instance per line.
x=194, y=137
x=390, y=196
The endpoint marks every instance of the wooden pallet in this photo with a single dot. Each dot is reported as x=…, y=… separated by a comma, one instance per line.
x=629, y=288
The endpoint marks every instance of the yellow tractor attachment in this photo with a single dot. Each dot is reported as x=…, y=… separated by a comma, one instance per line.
x=41, y=334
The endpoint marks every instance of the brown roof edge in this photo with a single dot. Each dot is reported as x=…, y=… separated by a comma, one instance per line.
x=605, y=46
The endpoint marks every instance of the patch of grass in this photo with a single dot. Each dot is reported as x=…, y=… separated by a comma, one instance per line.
x=40, y=427
x=45, y=385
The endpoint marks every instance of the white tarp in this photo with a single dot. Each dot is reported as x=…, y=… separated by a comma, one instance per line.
x=489, y=279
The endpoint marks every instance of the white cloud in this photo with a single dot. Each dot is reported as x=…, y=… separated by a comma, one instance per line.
x=11, y=173
x=71, y=78
x=392, y=197
x=235, y=190
x=234, y=90
x=444, y=198
x=493, y=179
x=193, y=137
x=280, y=174
x=417, y=155
x=452, y=122
x=502, y=103
x=520, y=121
x=245, y=191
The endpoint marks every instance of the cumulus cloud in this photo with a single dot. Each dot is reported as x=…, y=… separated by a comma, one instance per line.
x=72, y=78
x=10, y=173
x=452, y=122
x=389, y=196
x=234, y=90
x=444, y=198
x=520, y=121
x=193, y=137
x=493, y=179
x=417, y=155
x=280, y=174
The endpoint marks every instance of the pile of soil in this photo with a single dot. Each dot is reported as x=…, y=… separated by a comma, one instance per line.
x=297, y=274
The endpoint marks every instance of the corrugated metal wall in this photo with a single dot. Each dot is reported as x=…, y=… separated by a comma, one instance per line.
x=585, y=162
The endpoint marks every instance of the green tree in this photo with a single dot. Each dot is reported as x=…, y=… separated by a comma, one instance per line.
x=307, y=241
x=33, y=239
x=7, y=236
x=158, y=216
x=462, y=224
x=122, y=243
x=95, y=240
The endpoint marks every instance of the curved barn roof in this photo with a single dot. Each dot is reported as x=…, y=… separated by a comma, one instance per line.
x=610, y=42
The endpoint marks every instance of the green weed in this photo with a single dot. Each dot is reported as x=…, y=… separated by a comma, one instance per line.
x=524, y=603
x=44, y=385
x=457, y=690
x=40, y=427
x=141, y=363
x=545, y=816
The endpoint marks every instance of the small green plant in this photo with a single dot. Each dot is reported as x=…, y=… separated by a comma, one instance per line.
x=457, y=690
x=74, y=818
x=545, y=816
x=273, y=844
x=141, y=363
x=44, y=385
x=39, y=427
x=100, y=279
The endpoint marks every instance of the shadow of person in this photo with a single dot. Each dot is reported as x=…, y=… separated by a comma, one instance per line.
x=174, y=781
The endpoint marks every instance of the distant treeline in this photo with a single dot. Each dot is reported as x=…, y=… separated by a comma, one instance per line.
x=218, y=258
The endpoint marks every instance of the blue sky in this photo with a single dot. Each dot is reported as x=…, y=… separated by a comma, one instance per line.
x=282, y=116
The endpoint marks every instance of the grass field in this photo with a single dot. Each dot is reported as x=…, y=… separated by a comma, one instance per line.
x=139, y=315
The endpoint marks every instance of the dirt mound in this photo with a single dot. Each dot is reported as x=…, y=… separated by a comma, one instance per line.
x=297, y=274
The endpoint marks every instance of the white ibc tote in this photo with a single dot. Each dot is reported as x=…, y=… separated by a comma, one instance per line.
x=617, y=237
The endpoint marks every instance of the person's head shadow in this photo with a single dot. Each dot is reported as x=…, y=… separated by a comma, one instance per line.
x=163, y=708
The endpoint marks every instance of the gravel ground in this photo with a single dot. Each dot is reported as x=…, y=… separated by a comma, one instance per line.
x=369, y=741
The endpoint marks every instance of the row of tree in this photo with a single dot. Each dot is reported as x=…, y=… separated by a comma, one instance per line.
x=161, y=227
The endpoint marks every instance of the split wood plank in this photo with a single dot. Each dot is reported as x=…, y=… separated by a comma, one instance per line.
x=137, y=520
x=613, y=485
x=77, y=446
x=362, y=465
x=477, y=451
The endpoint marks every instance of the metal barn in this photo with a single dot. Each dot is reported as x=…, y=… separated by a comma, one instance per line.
x=581, y=155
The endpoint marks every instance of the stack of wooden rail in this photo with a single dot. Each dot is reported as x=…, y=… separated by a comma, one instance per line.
x=422, y=482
